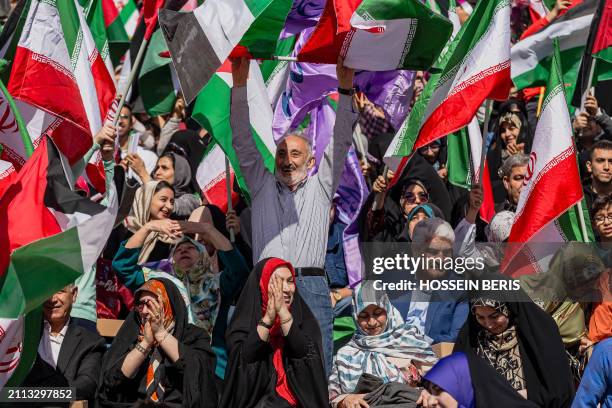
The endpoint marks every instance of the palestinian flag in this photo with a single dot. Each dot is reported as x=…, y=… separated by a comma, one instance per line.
x=55, y=54
x=157, y=82
x=128, y=13
x=463, y=162
x=107, y=29
x=552, y=184
x=7, y=174
x=211, y=177
x=472, y=71
x=61, y=237
x=597, y=54
x=378, y=35
x=200, y=41
x=531, y=57
x=212, y=111
x=537, y=10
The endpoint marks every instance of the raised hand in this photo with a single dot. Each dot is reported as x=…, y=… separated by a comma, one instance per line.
x=168, y=227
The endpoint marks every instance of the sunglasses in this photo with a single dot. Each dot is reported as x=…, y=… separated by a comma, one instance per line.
x=411, y=198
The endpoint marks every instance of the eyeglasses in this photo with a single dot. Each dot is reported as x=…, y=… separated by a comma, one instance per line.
x=411, y=198
x=124, y=116
x=600, y=219
x=445, y=253
x=433, y=147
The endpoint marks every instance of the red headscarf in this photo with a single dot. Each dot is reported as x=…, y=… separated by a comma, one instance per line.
x=276, y=336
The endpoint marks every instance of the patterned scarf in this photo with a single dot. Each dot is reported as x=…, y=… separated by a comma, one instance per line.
x=203, y=285
x=156, y=369
x=368, y=354
x=501, y=350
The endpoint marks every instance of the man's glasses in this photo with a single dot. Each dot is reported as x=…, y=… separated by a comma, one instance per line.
x=124, y=116
x=600, y=219
x=411, y=197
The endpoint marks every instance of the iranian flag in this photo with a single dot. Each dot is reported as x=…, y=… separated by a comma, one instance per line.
x=552, y=184
x=55, y=54
x=537, y=9
x=128, y=13
x=212, y=111
x=211, y=177
x=200, y=41
x=107, y=30
x=473, y=70
x=531, y=56
x=463, y=162
x=61, y=237
x=378, y=35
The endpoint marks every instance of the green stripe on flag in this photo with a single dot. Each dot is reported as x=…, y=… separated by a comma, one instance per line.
x=262, y=36
x=155, y=78
x=71, y=27
x=458, y=159
x=38, y=262
x=284, y=48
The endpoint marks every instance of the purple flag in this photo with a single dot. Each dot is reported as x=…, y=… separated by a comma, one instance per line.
x=350, y=197
x=303, y=14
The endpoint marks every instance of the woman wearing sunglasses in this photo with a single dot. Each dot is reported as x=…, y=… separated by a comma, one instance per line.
x=389, y=220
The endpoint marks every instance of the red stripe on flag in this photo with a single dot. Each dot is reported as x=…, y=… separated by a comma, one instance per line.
x=105, y=87
x=24, y=218
x=549, y=198
x=42, y=82
x=110, y=12
x=603, y=39
x=150, y=9
x=326, y=41
x=457, y=110
x=487, y=209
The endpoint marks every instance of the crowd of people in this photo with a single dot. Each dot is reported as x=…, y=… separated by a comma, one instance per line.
x=253, y=307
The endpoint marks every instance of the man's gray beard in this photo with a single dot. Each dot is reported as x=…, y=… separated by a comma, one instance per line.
x=298, y=176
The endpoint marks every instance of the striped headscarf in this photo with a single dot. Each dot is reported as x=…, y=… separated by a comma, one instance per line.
x=368, y=354
x=155, y=369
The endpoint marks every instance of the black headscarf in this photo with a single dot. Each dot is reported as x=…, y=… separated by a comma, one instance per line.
x=545, y=365
x=190, y=380
x=218, y=219
x=250, y=377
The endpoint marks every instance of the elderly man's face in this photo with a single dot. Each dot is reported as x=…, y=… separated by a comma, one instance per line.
x=293, y=160
x=514, y=183
x=57, y=308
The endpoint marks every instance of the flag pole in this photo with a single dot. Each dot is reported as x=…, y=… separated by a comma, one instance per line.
x=485, y=135
x=362, y=150
x=540, y=101
x=228, y=186
x=137, y=61
x=583, y=228
x=284, y=58
x=385, y=171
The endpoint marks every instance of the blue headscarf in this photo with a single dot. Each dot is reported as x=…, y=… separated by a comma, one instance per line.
x=452, y=374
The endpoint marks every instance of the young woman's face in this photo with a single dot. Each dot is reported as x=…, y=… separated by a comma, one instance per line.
x=162, y=204
x=414, y=220
x=509, y=133
x=491, y=319
x=164, y=170
x=413, y=196
x=442, y=398
x=185, y=255
x=372, y=320
x=288, y=283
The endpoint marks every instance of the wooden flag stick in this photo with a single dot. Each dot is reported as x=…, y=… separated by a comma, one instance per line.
x=124, y=92
x=540, y=101
x=228, y=186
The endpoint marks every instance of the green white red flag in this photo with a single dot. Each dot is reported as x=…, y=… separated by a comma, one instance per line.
x=107, y=30
x=128, y=13
x=212, y=111
x=59, y=221
x=552, y=184
x=56, y=55
x=472, y=71
x=378, y=35
x=200, y=41
x=211, y=177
